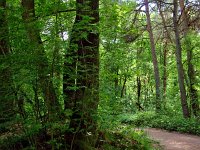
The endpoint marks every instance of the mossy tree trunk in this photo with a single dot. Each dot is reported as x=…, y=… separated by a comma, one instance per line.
x=83, y=91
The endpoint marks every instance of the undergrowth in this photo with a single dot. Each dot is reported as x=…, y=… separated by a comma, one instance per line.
x=162, y=121
x=111, y=136
x=124, y=138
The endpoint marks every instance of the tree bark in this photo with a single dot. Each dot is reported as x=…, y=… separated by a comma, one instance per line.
x=191, y=72
x=123, y=87
x=85, y=41
x=180, y=70
x=116, y=81
x=139, y=93
x=165, y=70
x=6, y=91
x=154, y=57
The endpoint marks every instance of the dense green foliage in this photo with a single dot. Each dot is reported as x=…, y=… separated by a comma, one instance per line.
x=72, y=72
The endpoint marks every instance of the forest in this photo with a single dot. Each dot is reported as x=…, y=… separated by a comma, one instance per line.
x=89, y=74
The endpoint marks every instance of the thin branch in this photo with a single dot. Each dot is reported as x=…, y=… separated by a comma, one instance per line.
x=57, y=12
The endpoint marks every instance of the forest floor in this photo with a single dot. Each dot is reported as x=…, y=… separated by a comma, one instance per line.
x=173, y=140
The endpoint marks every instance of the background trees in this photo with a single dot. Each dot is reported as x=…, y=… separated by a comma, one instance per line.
x=6, y=91
x=70, y=68
x=190, y=68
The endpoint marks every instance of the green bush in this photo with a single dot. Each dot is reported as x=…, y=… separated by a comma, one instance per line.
x=139, y=119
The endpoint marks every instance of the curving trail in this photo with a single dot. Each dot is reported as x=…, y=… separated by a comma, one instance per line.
x=173, y=140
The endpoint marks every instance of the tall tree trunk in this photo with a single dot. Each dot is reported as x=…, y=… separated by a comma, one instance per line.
x=154, y=57
x=123, y=87
x=116, y=80
x=138, y=103
x=191, y=72
x=165, y=69
x=85, y=41
x=180, y=70
x=35, y=43
x=138, y=81
x=168, y=37
x=6, y=91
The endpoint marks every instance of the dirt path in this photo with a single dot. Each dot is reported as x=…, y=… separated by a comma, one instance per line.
x=174, y=140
